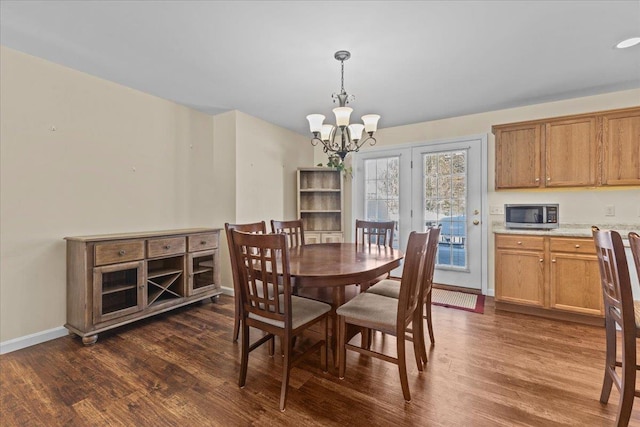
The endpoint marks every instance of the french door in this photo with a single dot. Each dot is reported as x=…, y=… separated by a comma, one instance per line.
x=439, y=184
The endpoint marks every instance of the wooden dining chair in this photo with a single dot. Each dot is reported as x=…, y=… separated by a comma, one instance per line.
x=293, y=229
x=379, y=233
x=375, y=232
x=262, y=262
x=622, y=313
x=391, y=288
x=254, y=227
x=389, y=315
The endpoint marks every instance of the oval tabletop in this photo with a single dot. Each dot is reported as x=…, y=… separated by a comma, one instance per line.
x=336, y=264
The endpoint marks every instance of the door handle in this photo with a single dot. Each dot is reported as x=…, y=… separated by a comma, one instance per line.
x=476, y=222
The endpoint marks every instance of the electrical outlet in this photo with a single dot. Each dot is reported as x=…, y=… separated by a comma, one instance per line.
x=496, y=210
x=610, y=210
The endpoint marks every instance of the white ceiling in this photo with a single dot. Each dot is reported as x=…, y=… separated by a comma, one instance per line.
x=411, y=61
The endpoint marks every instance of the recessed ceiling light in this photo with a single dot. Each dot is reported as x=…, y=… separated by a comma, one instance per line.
x=628, y=42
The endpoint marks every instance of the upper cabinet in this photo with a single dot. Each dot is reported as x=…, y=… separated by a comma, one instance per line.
x=518, y=156
x=571, y=152
x=621, y=146
x=585, y=150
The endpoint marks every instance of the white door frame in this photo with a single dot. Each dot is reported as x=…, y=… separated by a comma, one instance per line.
x=484, y=211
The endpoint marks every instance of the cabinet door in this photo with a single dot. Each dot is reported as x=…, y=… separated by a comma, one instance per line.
x=520, y=277
x=203, y=271
x=118, y=290
x=312, y=238
x=621, y=147
x=571, y=152
x=331, y=238
x=575, y=283
x=518, y=152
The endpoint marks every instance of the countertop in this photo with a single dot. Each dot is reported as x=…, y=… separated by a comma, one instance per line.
x=569, y=230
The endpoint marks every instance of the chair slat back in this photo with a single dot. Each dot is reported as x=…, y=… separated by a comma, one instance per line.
x=412, y=278
x=375, y=232
x=294, y=230
x=263, y=263
x=253, y=227
x=615, y=279
x=430, y=260
x=634, y=243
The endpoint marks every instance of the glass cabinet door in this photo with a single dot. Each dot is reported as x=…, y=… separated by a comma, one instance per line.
x=118, y=290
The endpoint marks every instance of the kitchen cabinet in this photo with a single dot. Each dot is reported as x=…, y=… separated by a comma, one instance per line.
x=116, y=279
x=621, y=147
x=586, y=150
x=574, y=276
x=555, y=275
x=520, y=272
x=518, y=156
x=570, y=152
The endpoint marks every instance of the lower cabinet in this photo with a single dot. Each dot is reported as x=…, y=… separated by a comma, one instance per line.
x=116, y=279
x=558, y=275
x=312, y=238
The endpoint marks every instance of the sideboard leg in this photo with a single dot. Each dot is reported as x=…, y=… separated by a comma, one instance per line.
x=215, y=298
x=90, y=339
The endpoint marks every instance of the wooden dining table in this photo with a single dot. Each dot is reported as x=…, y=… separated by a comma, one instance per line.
x=325, y=271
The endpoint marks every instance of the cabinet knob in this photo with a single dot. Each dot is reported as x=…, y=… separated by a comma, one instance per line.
x=122, y=252
x=141, y=286
x=541, y=259
x=577, y=246
x=167, y=246
x=202, y=242
x=548, y=178
x=553, y=260
x=519, y=243
x=537, y=179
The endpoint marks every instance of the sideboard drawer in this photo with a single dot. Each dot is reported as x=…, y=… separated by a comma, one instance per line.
x=204, y=241
x=168, y=246
x=115, y=252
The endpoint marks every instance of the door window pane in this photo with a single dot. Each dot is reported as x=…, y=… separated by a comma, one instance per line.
x=445, y=195
x=382, y=183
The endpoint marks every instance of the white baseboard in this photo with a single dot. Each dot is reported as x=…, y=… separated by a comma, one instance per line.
x=227, y=291
x=33, y=339
x=51, y=334
x=491, y=292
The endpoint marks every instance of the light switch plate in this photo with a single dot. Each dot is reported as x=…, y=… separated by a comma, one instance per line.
x=496, y=210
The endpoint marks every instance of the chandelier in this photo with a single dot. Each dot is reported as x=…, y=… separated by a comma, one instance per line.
x=343, y=138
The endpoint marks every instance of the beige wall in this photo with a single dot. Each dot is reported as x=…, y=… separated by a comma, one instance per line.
x=583, y=205
x=261, y=183
x=119, y=160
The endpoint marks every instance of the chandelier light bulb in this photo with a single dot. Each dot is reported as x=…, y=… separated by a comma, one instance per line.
x=325, y=133
x=370, y=122
x=315, y=122
x=356, y=131
x=342, y=115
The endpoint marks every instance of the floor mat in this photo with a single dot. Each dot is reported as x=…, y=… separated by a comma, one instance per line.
x=458, y=300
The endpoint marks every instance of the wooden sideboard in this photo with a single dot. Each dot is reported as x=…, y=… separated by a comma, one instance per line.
x=116, y=279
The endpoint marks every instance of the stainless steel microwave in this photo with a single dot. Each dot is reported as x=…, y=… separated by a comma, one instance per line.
x=531, y=216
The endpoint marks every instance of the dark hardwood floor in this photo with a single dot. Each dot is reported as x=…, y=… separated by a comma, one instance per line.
x=181, y=369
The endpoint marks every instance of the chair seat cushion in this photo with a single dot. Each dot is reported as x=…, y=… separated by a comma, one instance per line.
x=371, y=308
x=386, y=288
x=636, y=311
x=303, y=310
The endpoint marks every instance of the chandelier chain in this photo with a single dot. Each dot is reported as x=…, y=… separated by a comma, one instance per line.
x=342, y=76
